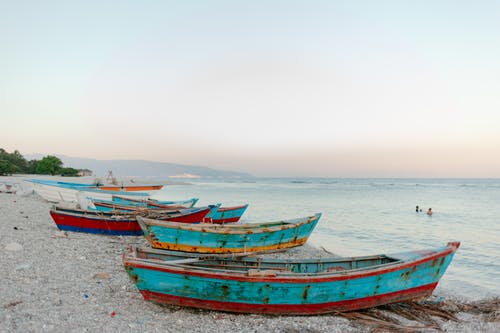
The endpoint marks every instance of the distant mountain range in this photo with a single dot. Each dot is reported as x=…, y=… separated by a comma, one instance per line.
x=141, y=168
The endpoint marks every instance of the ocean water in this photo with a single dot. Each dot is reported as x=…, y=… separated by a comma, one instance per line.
x=376, y=216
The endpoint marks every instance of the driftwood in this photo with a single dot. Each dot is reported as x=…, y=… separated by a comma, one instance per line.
x=489, y=308
x=423, y=315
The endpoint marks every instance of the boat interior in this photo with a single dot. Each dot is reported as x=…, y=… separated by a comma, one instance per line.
x=259, y=266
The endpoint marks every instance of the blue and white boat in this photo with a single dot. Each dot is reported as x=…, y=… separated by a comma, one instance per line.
x=56, y=191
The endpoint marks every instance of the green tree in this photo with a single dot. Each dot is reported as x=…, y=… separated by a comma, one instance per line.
x=7, y=168
x=68, y=172
x=15, y=160
x=18, y=160
x=32, y=166
x=49, y=165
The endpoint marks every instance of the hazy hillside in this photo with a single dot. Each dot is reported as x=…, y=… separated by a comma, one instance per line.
x=140, y=168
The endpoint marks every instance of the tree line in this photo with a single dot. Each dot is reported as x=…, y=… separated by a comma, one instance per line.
x=11, y=163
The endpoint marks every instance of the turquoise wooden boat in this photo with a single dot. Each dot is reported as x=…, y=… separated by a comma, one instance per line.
x=286, y=287
x=221, y=215
x=228, y=238
x=216, y=215
x=226, y=214
x=109, y=205
x=152, y=203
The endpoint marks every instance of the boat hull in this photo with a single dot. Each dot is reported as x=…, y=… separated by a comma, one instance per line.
x=132, y=188
x=196, y=216
x=58, y=194
x=96, y=225
x=272, y=292
x=227, y=214
x=108, y=206
x=294, y=309
x=150, y=203
x=111, y=224
x=230, y=238
x=218, y=215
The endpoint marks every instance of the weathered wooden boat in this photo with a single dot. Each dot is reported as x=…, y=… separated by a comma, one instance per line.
x=217, y=215
x=132, y=188
x=93, y=222
x=118, y=223
x=152, y=203
x=106, y=187
x=56, y=192
x=286, y=287
x=228, y=238
x=226, y=214
x=108, y=205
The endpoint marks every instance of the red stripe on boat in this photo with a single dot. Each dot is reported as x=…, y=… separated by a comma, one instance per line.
x=94, y=223
x=347, y=305
x=191, y=218
x=347, y=276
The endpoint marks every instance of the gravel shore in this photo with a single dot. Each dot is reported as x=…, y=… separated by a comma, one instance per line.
x=74, y=282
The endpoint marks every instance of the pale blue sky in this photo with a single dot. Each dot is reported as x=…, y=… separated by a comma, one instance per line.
x=274, y=88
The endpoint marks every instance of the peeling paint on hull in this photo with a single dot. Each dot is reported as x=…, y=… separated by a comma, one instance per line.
x=151, y=203
x=227, y=214
x=110, y=224
x=219, y=215
x=294, y=309
x=207, y=249
x=94, y=225
x=301, y=287
x=231, y=238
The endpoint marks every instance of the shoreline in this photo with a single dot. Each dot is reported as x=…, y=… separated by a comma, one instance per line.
x=60, y=282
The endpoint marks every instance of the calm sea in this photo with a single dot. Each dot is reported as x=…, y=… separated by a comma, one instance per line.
x=375, y=216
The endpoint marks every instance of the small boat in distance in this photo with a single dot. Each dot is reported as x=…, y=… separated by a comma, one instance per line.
x=228, y=238
x=286, y=286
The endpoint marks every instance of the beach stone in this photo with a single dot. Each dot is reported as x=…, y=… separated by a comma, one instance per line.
x=60, y=234
x=23, y=266
x=13, y=247
x=12, y=304
x=103, y=275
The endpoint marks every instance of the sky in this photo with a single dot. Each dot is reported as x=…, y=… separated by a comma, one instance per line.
x=272, y=88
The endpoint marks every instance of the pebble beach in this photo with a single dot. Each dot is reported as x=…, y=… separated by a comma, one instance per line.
x=55, y=281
